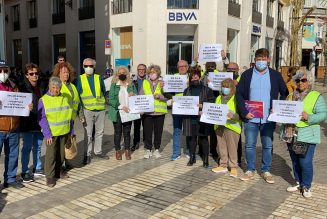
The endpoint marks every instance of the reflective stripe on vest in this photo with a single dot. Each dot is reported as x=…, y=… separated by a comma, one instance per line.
x=73, y=102
x=58, y=113
x=308, y=104
x=159, y=106
x=234, y=125
x=89, y=101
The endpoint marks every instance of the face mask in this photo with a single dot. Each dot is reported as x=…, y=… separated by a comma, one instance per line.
x=195, y=83
x=153, y=77
x=4, y=77
x=89, y=70
x=122, y=77
x=261, y=65
x=225, y=90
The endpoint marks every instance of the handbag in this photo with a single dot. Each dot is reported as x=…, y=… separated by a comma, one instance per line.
x=71, y=148
x=299, y=147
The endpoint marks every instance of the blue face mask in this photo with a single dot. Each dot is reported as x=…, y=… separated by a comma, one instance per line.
x=261, y=65
x=225, y=90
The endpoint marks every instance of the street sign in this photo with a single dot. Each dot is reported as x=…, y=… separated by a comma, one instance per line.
x=107, y=47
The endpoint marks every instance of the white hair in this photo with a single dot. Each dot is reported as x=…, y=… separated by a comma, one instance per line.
x=89, y=59
x=55, y=81
x=303, y=72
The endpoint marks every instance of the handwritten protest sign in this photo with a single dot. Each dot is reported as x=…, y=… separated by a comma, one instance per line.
x=15, y=103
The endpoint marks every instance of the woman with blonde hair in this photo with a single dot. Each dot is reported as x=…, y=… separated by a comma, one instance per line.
x=229, y=134
x=121, y=88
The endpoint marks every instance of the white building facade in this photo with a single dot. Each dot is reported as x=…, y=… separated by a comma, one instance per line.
x=164, y=31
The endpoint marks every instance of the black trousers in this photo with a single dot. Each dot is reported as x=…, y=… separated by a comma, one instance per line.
x=194, y=140
x=239, y=150
x=119, y=129
x=137, y=130
x=153, y=125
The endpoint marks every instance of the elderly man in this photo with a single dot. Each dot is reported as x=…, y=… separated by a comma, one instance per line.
x=91, y=89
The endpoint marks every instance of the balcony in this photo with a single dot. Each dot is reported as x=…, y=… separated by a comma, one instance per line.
x=269, y=21
x=121, y=6
x=86, y=13
x=185, y=4
x=33, y=22
x=16, y=25
x=280, y=25
x=256, y=17
x=234, y=9
x=58, y=18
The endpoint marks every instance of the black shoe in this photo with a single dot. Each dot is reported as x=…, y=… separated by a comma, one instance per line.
x=64, y=175
x=133, y=148
x=27, y=178
x=205, y=161
x=87, y=160
x=137, y=146
x=192, y=160
x=15, y=185
x=51, y=182
x=101, y=157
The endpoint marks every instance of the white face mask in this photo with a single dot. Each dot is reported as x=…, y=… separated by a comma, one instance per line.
x=4, y=77
x=89, y=70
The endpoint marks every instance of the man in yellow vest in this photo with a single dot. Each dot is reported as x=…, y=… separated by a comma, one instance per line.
x=91, y=89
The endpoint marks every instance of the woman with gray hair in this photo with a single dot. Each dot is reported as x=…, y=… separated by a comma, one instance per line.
x=303, y=137
x=55, y=119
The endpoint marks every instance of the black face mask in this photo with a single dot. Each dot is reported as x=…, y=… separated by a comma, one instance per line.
x=122, y=77
x=195, y=83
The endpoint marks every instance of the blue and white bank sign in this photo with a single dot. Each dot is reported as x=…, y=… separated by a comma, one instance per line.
x=182, y=17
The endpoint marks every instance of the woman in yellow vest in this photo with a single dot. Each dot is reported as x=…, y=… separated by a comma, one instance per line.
x=306, y=131
x=154, y=122
x=55, y=119
x=228, y=135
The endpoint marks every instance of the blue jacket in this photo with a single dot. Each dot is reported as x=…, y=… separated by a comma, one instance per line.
x=278, y=88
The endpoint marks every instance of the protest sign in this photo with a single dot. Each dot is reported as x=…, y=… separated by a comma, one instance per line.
x=210, y=53
x=15, y=103
x=213, y=113
x=284, y=111
x=185, y=105
x=175, y=83
x=216, y=78
x=141, y=104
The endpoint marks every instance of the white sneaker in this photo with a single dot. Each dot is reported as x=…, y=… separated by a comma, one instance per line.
x=306, y=193
x=147, y=154
x=156, y=153
x=293, y=188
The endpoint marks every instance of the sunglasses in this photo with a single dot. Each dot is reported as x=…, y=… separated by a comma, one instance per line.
x=4, y=70
x=303, y=80
x=91, y=66
x=33, y=73
x=141, y=69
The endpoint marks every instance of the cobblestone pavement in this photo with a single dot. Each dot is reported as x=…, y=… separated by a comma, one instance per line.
x=160, y=188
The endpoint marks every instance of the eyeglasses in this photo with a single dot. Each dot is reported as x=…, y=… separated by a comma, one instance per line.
x=33, y=73
x=5, y=70
x=141, y=69
x=303, y=80
x=91, y=66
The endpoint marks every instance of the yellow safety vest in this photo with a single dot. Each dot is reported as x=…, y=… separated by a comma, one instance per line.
x=179, y=94
x=234, y=125
x=238, y=78
x=89, y=101
x=159, y=106
x=74, y=102
x=58, y=113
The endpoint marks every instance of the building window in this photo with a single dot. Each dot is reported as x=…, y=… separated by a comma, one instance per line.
x=280, y=12
x=86, y=9
x=58, y=12
x=234, y=8
x=17, y=51
x=34, y=50
x=254, y=45
x=59, y=46
x=87, y=45
x=269, y=42
x=16, y=17
x=307, y=3
x=270, y=6
x=232, y=43
x=256, y=5
x=32, y=13
x=121, y=6
x=182, y=4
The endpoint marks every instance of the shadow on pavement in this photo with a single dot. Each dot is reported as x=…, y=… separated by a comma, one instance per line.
x=2, y=200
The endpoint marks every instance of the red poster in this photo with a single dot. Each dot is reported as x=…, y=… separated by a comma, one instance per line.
x=255, y=107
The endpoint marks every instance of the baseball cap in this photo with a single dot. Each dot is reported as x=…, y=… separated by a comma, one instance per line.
x=3, y=64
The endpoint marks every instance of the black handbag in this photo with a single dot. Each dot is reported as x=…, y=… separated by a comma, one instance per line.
x=299, y=147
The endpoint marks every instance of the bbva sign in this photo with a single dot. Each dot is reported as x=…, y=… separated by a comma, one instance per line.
x=182, y=16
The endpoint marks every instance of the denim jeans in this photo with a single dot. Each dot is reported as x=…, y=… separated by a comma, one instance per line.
x=303, y=167
x=177, y=124
x=31, y=141
x=251, y=131
x=10, y=141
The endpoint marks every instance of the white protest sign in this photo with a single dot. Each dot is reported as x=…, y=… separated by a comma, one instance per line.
x=216, y=78
x=210, y=53
x=15, y=103
x=141, y=104
x=284, y=111
x=185, y=105
x=175, y=83
x=213, y=113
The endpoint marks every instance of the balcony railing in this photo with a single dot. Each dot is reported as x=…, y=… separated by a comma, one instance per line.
x=86, y=13
x=121, y=6
x=234, y=9
x=33, y=22
x=256, y=17
x=280, y=25
x=16, y=25
x=58, y=18
x=185, y=4
x=269, y=21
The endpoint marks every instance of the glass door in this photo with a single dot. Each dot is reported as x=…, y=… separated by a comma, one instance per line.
x=178, y=50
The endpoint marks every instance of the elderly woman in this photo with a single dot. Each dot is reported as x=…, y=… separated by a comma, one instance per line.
x=154, y=122
x=121, y=88
x=306, y=131
x=194, y=130
x=55, y=119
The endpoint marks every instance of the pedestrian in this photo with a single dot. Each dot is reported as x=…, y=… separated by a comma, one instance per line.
x=55, y=119
x=263, y=84
x=9, y=132
x=154, y=122
x=122, y=87
x=29, y=126
x=229, y=134
x=307, y=131
x=194, y=130
x=61, y=59
x=91, y=89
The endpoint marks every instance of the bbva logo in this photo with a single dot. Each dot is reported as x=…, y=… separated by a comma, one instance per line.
x=182, y=16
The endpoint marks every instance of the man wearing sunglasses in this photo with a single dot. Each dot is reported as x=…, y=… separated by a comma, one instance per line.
x=91, y=89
